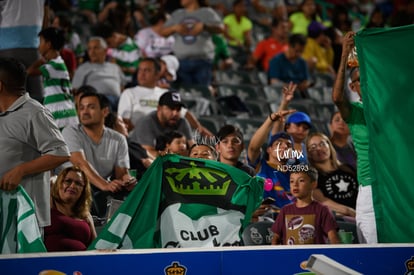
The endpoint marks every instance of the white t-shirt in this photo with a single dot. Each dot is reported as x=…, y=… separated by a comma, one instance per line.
x=139, y=101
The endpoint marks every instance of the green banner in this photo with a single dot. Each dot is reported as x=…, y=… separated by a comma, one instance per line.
x=19, y=230
x=386, y=58
x=184, y=202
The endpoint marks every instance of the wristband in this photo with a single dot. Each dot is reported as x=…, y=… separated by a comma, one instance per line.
x=270, y=116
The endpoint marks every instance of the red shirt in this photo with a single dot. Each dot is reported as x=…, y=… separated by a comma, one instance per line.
x=266, y=49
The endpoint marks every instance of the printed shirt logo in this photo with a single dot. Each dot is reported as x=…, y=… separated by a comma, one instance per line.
x=341, y=186
x=300, y=229
x=189, y=23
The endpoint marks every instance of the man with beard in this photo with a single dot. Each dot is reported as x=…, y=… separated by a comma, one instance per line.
x=100, y=152
x=165, y=119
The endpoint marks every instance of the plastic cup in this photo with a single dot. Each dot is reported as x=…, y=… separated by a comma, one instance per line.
x=345, y=237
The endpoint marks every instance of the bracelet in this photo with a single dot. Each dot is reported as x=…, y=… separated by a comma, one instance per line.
x=270, y=116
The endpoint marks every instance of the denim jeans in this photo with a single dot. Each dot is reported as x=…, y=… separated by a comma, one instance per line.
x=195, y=71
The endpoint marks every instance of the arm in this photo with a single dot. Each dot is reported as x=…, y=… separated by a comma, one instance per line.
x=333, y=237
x=78, y=159
x=261, y=135
x=338, y=93
x=34, y=69
x=195, y=124
x=89, y=220
x=275, y=239
x=13, y=177
x=332, y=205
x=288, y=93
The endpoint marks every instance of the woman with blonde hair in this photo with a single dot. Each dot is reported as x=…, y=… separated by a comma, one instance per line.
x=72, y=227
x=337, y=182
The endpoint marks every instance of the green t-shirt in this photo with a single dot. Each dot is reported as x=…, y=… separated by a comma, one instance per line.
x=358, y=127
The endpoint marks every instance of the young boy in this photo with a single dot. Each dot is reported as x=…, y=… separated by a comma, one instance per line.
x=305, y=221
x=56, y=81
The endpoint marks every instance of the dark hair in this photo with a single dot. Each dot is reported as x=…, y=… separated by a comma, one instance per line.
x=228, y=130
x=162, y=141
x=159, y=16
x=104, y=30
x=236, y=2
x=55, y=36
x=103, y=100
x=154, y=61
x=110, y=120
x=12, y=74
x=64, y=22
x=86, y=89
x=308, y=170
x=297, y=39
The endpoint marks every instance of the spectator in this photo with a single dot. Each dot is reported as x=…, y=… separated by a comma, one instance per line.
x=266, y=49
x=150, y=40
x=107, y=78
x=139, y=101
x=20, y=23
x=353, y=114
x=100, y=152
x=238, y=31
x=138, y=156
x=31, y=143
x=72, y=227
x=289, y=66
x=120, y=16
x=72, y=38
x=272, y=166
x=297, y=125
x=202, y=151
x=230, y=146
x=165, y=119
x=305, y=221
x=56, y=82
x=169, y=66
x=263, y=11
x=337, y=184
x=192, y=27
x=301, y=19
x=172, y=143
x=122, y=50
x=318, y=51
x=341, y=140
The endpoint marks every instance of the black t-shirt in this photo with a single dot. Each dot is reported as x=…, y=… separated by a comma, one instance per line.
x=340, y=185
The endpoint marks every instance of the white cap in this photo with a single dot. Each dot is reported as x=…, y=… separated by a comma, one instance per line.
x=172, y=64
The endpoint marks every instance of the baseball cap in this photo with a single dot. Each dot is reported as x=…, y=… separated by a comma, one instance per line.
x=315, y=28
x=172, y=65
x=171, y=99
x=299, y=117
x=278, y=135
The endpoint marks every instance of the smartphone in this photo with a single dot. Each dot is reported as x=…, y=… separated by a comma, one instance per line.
x=268, y=200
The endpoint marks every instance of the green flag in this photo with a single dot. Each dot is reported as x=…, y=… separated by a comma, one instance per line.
x=19, y=229
x=386, y=58
x=184, y=202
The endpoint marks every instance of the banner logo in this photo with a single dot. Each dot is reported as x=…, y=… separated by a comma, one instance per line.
x=175, y=269
x=196, y=180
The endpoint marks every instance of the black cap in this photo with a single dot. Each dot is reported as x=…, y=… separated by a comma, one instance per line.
x=171, y=99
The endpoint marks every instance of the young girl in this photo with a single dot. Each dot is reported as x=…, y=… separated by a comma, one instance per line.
x=172, y=143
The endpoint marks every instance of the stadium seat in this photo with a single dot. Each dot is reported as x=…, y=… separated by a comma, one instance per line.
x=243, y=91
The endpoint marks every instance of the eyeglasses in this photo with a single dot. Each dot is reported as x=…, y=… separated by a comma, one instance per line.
x=68, y=182
x=233, y=141
x=355, y=80
x=322, y=144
